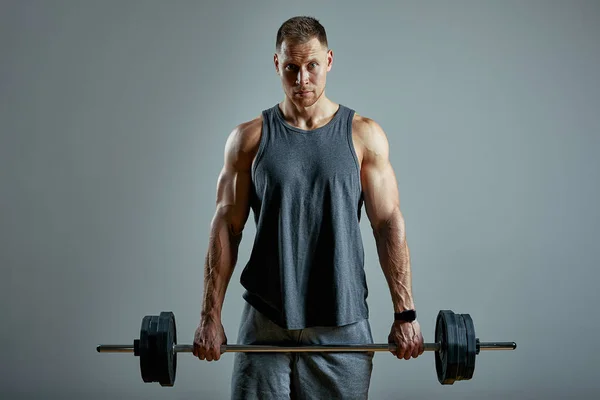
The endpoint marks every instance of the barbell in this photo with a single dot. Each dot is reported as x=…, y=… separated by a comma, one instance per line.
x=455, y=348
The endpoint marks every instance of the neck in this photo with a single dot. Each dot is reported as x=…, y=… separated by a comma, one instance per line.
x=311, y=117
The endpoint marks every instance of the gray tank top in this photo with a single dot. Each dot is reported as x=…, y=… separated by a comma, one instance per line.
x=306, y=266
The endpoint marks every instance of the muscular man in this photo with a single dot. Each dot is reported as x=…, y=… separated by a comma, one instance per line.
x=305, y=167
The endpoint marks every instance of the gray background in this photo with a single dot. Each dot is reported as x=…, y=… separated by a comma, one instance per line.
x=113, y=120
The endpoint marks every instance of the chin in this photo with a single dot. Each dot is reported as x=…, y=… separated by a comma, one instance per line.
x=305, y=101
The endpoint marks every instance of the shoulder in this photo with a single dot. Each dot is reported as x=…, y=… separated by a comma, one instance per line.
x=370, y=136
x=243, y=141
x=246, y=135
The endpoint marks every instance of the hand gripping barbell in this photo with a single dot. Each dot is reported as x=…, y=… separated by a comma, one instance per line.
x=455, y=348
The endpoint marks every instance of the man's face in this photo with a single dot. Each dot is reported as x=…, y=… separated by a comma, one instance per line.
x=303, y=70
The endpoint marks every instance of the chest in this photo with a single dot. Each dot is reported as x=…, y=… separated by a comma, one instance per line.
x=303, y=162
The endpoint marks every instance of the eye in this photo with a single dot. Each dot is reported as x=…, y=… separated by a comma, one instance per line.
x=290, y=67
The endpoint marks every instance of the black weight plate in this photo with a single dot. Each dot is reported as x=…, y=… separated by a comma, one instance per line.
x=172, y=343
x=440, y=355
x=146, y=368
x=452, y=341
x=161, y=352
x=171, y=339
x=165, y=375
x=154, y=349
x=471, y=347
x=461, y=346
x=446, y=357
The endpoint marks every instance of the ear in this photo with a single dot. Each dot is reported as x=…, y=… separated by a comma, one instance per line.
x=276, y=62
x=329, y=60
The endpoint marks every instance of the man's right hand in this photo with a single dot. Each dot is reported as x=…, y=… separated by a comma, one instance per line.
x=208, y=339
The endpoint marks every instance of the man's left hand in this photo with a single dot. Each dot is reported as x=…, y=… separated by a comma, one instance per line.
x=408, y=339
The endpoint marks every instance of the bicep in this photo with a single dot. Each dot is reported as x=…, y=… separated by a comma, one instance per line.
x=234, y=186
x=378, y=179
x=380, y=192
x=233, y=200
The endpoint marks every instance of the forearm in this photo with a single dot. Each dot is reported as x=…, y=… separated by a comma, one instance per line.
x=219, y=264
x=394, y=257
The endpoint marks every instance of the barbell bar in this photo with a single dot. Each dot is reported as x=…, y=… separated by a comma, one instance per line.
x=455, y=348
x=255, y=348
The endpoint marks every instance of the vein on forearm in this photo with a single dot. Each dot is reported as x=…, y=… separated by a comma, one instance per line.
x=220, y=261
x=394, y=257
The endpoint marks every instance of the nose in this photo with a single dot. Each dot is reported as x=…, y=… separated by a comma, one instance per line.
x=302, y=77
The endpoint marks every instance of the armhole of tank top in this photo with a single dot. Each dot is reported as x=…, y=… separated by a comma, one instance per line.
x=352, y=149
x=261, y=145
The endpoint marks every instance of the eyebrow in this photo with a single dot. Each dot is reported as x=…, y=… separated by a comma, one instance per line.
x=308, y=62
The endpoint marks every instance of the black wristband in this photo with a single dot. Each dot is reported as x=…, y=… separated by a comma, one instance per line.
x=406, y=316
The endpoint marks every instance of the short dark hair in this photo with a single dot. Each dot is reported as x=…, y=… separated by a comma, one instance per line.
x=300, y=30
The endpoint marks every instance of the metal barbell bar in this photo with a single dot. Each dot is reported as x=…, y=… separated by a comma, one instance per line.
x=240, y=348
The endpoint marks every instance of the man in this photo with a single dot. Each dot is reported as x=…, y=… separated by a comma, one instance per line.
x=305, y=167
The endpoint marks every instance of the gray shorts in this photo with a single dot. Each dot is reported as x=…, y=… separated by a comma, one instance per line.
x=268, y=376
